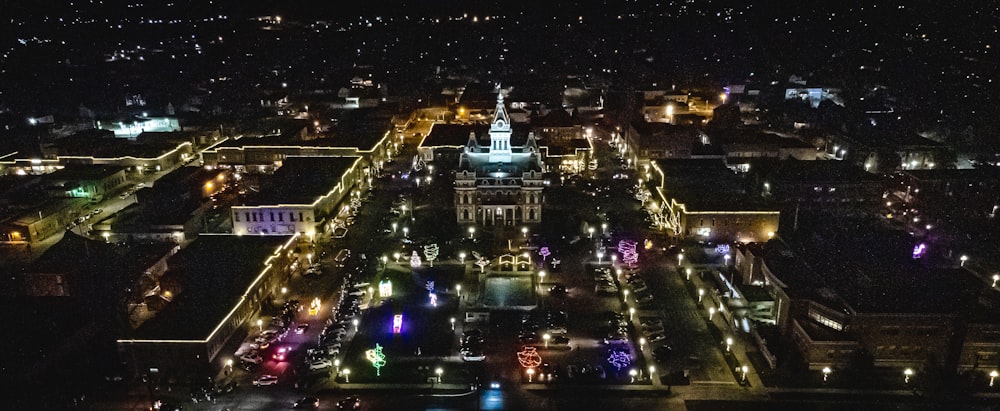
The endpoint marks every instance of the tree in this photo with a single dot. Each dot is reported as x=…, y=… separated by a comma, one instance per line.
x=431, y=253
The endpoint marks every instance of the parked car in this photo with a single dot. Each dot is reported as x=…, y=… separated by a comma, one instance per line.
x=301, y=328
x=266, y=379
x=557, y=289
x=473, y=355
x=616, y=338
x=656, y=337
x=349, y=403
x=306, y=403
x=252, y=358
x=320, y=365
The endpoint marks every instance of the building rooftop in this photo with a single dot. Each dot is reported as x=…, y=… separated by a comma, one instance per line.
x=706, y=185
x=213, y=273
x=457, y=135
x=303, y=180
x=85, y=145
x=77, y=172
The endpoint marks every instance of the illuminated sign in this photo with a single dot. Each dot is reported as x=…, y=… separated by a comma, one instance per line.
x=385, y=289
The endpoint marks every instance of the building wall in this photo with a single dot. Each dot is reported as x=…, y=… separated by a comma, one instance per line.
x=274, y=220
x=728, y=226
x=981, y=347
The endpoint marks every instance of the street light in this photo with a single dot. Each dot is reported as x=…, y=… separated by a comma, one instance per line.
x=701, y=293
x=438, y=371
x=406, y=231
x=993, y=376
x=452, y=321
x=729, y=343
x=680, y=258
x=631, y=312
x=652, y=369
x=385, y=260
x=395, y=256
x=347, y=375
x=711, y=313
x=625, y=293
x=394, y=225
x=590, y=232
x=260, y=325
x=600, y=256
x=996, y=277
x=524, y=232
x=826, y=373
x=963, y=259
x=472, y=232
x=726, y=258
x=688, y=272
x=458, y=290
x=906, y=375
x=744, y=369
x=355, y=322
x=461, y=257
x=531, y=374
x=546, y=337
x=336, y=363
x=642, y=343
x=632, y=373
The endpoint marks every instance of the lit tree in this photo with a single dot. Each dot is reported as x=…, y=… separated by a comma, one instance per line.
x=627, y=249
x=414, y=259
x=544, y=252
x=482, y=263
x=377, y=358
x=431, y=253
x=619, y=359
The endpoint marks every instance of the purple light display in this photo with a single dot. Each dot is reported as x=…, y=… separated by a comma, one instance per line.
x=919, y=250
x=397, y=323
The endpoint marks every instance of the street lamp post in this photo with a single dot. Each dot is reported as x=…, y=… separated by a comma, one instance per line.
x=438, y=371
x=347, y=375
x=642, y=343
x=680, y=259
x=688, y=272
x=600, y=257
x=452, y=321
x=962, y=260
x=652, y=369
x=729, y=343
x=531, y=374
x=631, y=313
x=260, y=325
x=394, y=226
x=458, y=290
x=826, y=373
x=355, y=322
x=996, y=277
x=524, y=232
x=336, y=363
x=906, y=375
x=744, y=369
x=395, y=256
x=461, y=257
x=541, y=277
x=701, y=293
x=590, y=232
x=406, y=231
x=632, y=373
x=472, y=232
x=546, y=337
x=993, y=376
x=711, y=313
x=726, y=258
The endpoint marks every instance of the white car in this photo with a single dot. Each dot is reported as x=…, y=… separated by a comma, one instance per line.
x=320, y=365
x=252, y=357
x=473, y=356
x=266, y=379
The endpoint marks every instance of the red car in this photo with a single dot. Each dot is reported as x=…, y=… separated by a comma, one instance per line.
x=281, y=353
